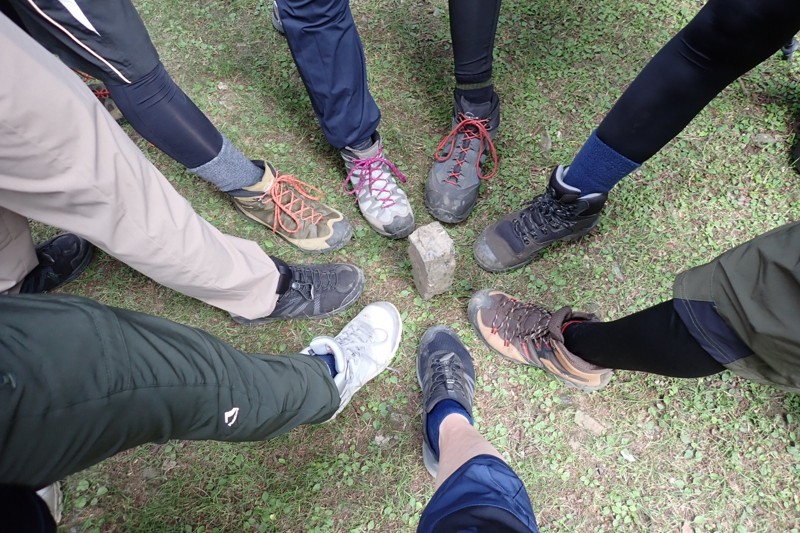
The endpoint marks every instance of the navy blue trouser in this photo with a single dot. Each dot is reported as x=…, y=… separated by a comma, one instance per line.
x=324, y=41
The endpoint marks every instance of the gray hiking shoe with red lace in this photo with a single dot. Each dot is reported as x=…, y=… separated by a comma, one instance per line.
x=292, y=210
x=532, y=335
x=371, y=179
x=455, y=177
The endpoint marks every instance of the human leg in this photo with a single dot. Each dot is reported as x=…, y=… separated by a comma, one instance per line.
x=97, y=365
x=736, y=312
x=93, y=181
x=327, y=50
x=454, y=179
x=111, y=43
x=16, y=250
x=27, y=268
x=476, y=489
x=726, y=39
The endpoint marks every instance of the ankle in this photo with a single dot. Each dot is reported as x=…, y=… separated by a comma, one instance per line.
x=445, y=416
x=284, y=276
x=475, y=93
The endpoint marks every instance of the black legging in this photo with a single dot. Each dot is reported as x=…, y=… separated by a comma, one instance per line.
x=472, y=26
x=162, y=113
x=654, y=340
x=726, y=39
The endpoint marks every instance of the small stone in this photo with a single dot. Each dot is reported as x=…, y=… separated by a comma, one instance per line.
x=589, y=423
x=433, y=260
x=627, y=455
x=687, y=528
x=765, y=138
x=149, y=472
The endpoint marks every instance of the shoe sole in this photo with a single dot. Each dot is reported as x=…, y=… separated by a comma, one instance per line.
x=258, y=221
x=443, y=216
x=535, y=255
x=276, y=21
x=473, y=320
x=345, y=306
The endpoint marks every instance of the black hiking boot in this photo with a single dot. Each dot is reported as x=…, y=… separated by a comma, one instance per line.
x=61, y=260
x=559, y=214
x=312, y=291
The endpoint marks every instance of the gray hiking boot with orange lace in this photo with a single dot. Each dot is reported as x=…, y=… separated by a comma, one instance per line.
x=292, y=210
x=455, y=177
x=532, y=335
x=372, y=179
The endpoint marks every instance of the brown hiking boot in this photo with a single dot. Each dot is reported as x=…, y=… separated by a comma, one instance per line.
x=103, y=95
x=531, y=335
x=292, y=210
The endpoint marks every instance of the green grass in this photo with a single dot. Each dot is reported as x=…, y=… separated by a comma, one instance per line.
x=716, y=454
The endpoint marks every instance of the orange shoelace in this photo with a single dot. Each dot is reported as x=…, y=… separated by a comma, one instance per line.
x=472, y=128
x=289, y=195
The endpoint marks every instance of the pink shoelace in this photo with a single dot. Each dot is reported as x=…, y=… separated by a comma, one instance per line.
x=369, y=174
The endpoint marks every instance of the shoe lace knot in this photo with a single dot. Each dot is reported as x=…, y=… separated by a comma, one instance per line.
x=445, y=371
x=309, y=281
x=371, y=173
x=543, y=215
x=469, y=128
x=290, y=196
x=526, y=321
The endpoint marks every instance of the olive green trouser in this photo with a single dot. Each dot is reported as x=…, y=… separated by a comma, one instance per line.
x=80, y=381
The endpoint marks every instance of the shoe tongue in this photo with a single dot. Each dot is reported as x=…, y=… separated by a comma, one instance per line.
x=564, y=191
x=266, y=180
x=328, y=345
x=473, y=110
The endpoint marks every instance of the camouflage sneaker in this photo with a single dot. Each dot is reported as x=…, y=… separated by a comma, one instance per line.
x=103, y=95
x=455, y=178
x=561, y=213
x=291, y=209
x=371, y=178
x=531, y=335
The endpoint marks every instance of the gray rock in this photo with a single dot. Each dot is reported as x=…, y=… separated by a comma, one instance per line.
x=433, y=260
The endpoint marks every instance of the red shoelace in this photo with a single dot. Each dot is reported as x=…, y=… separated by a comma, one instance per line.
x=289, y=194
x=472, y=128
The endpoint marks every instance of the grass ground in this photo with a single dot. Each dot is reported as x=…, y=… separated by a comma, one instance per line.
x=715, y=454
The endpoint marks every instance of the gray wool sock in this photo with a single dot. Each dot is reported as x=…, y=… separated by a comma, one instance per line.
x=230, y=169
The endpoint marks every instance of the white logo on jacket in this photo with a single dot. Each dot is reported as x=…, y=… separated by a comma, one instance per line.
x=231, y=416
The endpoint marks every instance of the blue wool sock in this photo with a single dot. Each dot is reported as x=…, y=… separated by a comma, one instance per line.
x=329, y=360
x=437, y=416
x=598, y=167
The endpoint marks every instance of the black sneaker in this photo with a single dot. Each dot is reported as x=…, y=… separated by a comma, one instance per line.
x=61, y=259
x=560, y=214
x=445, y=372
x=313, y=291
x=455, y=177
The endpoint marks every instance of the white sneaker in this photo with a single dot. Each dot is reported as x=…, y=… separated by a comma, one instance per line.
x=54, y=499
x=363, y=349
x=381, y=200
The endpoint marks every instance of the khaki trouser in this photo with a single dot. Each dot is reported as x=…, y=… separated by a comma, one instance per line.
x=66, y=163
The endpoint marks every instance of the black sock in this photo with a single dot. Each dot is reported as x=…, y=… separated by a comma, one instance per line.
x=478, y=95
x=654, y=340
